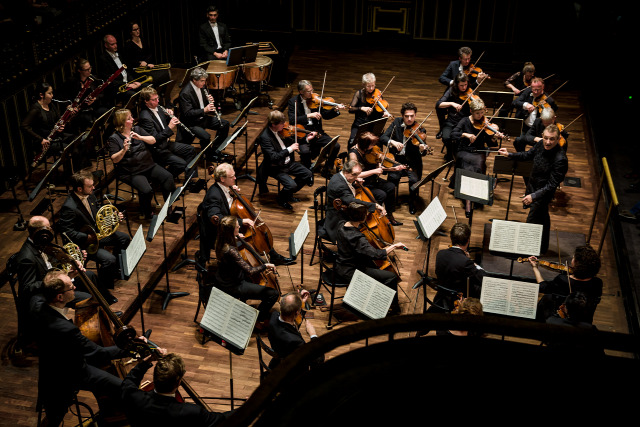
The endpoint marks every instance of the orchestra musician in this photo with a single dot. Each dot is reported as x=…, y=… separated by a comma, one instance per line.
x=585, y=265
x=109, y=62
x=356, y=252
x=364, y=110
x=406, y=152
x=214, y=36
x=159, y=407
x=284, y=332
x=68, y=361
x=173, y=155
x=527, y=105
x=383, y=191
x=134, y=163
x=341, y=187
x=472, y=134
x=79, y=211
x=196, y=109
x=216, y=205
x=522, y=79
x=534, y=134
x=233, y=272
x=455, y=270
x=311, y=119
x=92, y=108
x=138, y=54
x=550, y=166
x=280, y=161
x=453, y=108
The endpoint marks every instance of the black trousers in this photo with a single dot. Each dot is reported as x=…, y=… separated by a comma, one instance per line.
x=157, y=175
x=248, y=290
x=539, y=214
x=301, y=176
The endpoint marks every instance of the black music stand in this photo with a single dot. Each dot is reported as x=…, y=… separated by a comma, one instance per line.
x=242, y=54
x=197, y=158
x=508, y=125
x=481, y=179
x=13, y=179
x=182, y=193
x=97, y=129
x=506, y=166
x=324, y=155
x=244, y=114
x=495, y=99
x=376, y=127
x=431, y=176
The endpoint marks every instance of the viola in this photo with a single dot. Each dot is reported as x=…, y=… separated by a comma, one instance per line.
x=327, y=103
x=259, y=235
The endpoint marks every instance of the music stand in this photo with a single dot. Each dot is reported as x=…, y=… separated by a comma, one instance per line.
x=508, y=125
x=185, y=257
x=506, y=166
x=494, y=99
x=376, y=127
x=244, y=114
x=475, y=187
x=431, y=176
x=324, y=154
x=97, y=129
x=242, y=54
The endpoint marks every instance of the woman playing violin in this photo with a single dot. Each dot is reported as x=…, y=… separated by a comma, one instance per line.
x=363, y=107
x=471, y=134
x=233, y=271
x=585, y=265
x=451, y=108
x=355, y=252
x=522, y=79
x=305, y=109
x=406, y=151
x=368, y=153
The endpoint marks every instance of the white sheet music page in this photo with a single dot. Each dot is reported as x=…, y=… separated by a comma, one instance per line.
x=301, y=233
x=368, y=296
x=134, y=251
x=229, y=318
x=432, y=217
x=509, y=297
x=474, y=187
x=515, y=237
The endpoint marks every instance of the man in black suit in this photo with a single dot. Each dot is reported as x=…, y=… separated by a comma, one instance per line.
x=215, y=206
x=108, y=63
x=159, y=407
x=78, y=213
x=68, y=360
x=528, y=105
x=214, y=36
x=284, y=335
x=156, y=122
x=300, y=112
x=454, y=267
x=341, y=187
x=196, y=107
x=279, y=159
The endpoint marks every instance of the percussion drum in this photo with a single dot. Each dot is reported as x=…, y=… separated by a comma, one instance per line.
x=221, y=76
x=258, y=71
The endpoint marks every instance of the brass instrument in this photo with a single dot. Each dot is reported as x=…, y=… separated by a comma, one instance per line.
x=107, y=221
x=74, y=251
x=156, y=67
x=142, y=80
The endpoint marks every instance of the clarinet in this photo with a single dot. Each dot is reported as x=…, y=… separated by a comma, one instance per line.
x=171, y=116
x=206, y=92
x=68, y=114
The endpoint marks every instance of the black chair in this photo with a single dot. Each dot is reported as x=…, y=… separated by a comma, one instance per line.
x=264, y=366
x=330, y=281
x=204, y=288
x=322, y=239
x=75, y=402
x=261, y=176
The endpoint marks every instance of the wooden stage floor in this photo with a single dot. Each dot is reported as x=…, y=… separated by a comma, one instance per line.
x=173, y=328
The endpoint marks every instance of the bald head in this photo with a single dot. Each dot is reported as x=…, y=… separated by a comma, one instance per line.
x=110, y=43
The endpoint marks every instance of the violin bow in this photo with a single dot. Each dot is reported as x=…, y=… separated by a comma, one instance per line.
x=385, y=88
x=549, y=76
x=557, y=89
x=573, y=121
x=473, y=92
x=488, y=121
x=475, y=64
x=418, y=127
x=322, y=91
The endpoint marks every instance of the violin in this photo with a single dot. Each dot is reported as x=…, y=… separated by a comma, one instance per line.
x=417, y=135
x=288, y=131
x=554, y=266
x=379, y=104
x=467, y=95
x=327, y=103
x=386, y=160
x=259, y=235
x=267, y=277
x=473, y=71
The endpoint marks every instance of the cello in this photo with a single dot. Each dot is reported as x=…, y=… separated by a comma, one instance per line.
x=259, y=235
x=267, y=277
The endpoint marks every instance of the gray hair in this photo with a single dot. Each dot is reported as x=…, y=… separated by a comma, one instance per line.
x=198, y=73
x=302, y=84
x=368, y=78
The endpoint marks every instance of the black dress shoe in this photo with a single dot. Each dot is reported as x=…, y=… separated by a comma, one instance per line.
x=310, y=183
x=393, y=221
x=294, y=200
x=412, y=209
x=109, y=298
x=439, y=135
x=285, y=205
x=118, y=313
x=280, y=260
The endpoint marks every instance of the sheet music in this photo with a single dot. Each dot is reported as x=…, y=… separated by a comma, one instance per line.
x=134, y=252
x=515, y=237
x=474, y=187
x=301, y=233
x=432, y=217
x=509, y=297
x=229, y=318
x=162, y=215
x=368, y=296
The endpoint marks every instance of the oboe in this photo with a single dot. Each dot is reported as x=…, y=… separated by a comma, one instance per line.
x=171, y=116
x=215, y=110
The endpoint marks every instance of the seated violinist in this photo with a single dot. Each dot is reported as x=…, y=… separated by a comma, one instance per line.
x=522, y=79
x=362, y=105
x=406, y=151
x=472, y=134
x=451, y=108
x=234, y=273
x=356, y=251
x=584, y=267
x=530, y=103
x=462, y=65
x=304, y=109
x=217, y=204
x=160, y=407
x=534, y=134
x=369, y=155
x=279, y=159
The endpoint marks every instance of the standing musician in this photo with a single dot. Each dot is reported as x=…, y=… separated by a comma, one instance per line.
x=79, y=212
x=534, y=134
x=362, y=106
x=356, y=252
x=407, y=152
x=284, y=332
x=364, y=152
x=138, y=54
x=310, y=116
x=233, y=272
x=214, y=36
x=529, y=104
x=156, y=122
x=455, y=270
x=216, y=205
x=550, y=166
x=68, y=360
x=196, y=109
x=341, y=187
x=159, y=407
x=279, y=159
x=522, y=79
x=454, y=105
x=109, y=62
x=133, y=161
x=472, y=133
x=584, y=268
